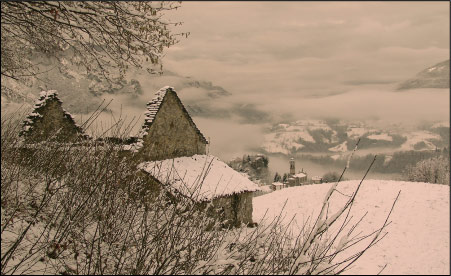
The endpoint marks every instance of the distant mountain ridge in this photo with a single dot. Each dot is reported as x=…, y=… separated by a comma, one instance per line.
x=338, y=137
x=83, y=92
x=436, y=76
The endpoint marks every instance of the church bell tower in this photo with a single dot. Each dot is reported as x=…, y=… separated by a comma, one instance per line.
x=292, y=168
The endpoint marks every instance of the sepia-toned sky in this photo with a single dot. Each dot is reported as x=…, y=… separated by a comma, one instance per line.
x=304, y=51
x=307, y=60
x=309, y=45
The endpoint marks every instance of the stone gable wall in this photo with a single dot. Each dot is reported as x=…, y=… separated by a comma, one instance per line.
x=171, y=134
x=53, y=124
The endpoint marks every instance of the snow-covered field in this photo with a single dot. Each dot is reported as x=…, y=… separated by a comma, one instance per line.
x=418, y=240
x=340, y=148
x=382, y=136
x=417, y=137
x=283, y=142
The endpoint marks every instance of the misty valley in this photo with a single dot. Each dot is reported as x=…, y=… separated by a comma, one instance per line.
x=321, y=146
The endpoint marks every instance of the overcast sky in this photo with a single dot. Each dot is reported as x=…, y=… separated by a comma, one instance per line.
x=309, y=47
x=300, y=60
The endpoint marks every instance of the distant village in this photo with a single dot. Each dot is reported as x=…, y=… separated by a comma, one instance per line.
x=255, y=167
x=293, y=179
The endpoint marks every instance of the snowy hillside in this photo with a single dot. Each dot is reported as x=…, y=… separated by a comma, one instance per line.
x=436, y=76
x=322, y=136
x=418, y=237
x=295, y=136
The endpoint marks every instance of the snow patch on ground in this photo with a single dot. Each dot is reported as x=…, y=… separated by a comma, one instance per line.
x=418, y=237
x=340, y=148
x=417, y=137
x=356, y=132
x=440, y=124
x=335, y=156
x=387, y=159
x=283, y=142
x=382, y=136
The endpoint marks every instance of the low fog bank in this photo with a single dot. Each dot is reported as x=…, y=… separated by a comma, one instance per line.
x=229, y=129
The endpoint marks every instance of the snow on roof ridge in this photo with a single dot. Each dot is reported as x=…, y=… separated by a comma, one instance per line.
x=200, y=177
x=300, y=174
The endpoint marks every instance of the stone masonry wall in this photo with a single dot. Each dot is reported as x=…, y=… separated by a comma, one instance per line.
x=244, y=209
x=171, y=135
x=235, y=209
x=53, y=124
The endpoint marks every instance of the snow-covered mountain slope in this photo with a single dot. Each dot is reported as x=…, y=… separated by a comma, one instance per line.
x=436, y=76
x=322, y=136
x=418, y=237
x=291, y=137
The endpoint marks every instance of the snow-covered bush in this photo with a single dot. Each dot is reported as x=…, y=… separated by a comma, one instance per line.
x=87, y=210
x=432, y=170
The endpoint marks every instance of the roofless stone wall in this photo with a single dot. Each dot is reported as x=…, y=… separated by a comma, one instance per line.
x=50, y=122
x=233, y=210
x=171, y=133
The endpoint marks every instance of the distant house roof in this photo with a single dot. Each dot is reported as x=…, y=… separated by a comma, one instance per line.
x=200, y=177
x=317, y=178
x=277, y=184
x=153, y=107
x=300, y=175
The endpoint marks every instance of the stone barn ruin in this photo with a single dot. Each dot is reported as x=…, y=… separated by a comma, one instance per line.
x=174, y=151
x=206, y=179
x=170, y=149
x=50, y=122
x=168, y=130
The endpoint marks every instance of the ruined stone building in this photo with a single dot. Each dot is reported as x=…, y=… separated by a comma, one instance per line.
x=50, y=122
x=169, y=148
x=206, y=179
x=168, y=130
x=174, y=153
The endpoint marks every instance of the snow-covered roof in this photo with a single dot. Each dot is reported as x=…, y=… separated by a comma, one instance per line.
x=200, y=177
x=300, y=175
x=277, y=184
x=317, y=178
